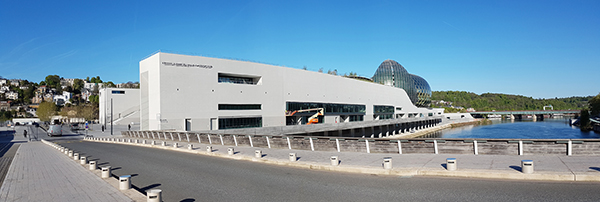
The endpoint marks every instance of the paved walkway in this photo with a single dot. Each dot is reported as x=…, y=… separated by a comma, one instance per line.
x=41, y=173
x=547, y=167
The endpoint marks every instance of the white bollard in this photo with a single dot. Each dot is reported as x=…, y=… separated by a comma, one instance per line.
x=293, y=157
x=527, y=166
x=190, y=146
x=153, y=142
x=125, y=182
x=164, y=144
x=70, y=153
x=175, y=144
x=154, y=195
x=82, y=160
x=230, y=151
x=92, y=165
x=209, y=149
x=335, y=161
x=387, y=163
x=75, y=156
x=143, y=141
x=258, y=153
x=451, y=164
x=106, y=172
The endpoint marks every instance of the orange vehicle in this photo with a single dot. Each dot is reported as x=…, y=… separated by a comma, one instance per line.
x=312, y=119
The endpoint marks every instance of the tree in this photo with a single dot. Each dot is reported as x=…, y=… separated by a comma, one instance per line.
x=584, y=120
x=96, y=80
x=77, y=86
x=110, y=84
x=595, y=105
x=53, y=81
x=42, y=83
x=46, y=111
x=87, y=79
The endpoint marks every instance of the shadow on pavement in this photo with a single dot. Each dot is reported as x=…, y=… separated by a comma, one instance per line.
x=595, y=168
x=517, y=168
x=188, y=200
x=444, y=165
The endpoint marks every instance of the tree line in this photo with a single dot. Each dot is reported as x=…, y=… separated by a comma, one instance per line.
x=506, y=102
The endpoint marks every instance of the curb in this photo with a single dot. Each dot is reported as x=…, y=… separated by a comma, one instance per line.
x=462, y=173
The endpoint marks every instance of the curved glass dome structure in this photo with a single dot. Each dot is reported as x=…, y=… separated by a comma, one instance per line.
x=391, y=73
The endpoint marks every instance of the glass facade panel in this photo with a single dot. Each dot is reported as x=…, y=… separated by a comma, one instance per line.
x=353, y=118
x=380, y=109
x=239, y=106
x=231, y=123
x=329, y=108
x=391, y=73
x=386, y=116
x=118, y=92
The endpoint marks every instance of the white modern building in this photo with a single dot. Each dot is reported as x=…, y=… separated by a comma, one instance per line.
x=192, y=93
x=125, y=106
x=63, y=99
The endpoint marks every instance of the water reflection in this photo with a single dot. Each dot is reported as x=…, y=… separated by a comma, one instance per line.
x=511, y=129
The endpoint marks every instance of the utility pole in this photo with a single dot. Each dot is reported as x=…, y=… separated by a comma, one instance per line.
x=111, y=116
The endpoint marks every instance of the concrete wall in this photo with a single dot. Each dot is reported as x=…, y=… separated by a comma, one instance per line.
x=126, y=107
x=408, y=146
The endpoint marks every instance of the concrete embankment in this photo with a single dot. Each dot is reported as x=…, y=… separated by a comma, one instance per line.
x=442, y=126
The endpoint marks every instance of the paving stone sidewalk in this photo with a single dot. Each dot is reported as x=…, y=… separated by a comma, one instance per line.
x=40, y=173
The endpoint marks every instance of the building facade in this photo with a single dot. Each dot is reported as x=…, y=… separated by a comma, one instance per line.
x=185, y=93
x=124, y=109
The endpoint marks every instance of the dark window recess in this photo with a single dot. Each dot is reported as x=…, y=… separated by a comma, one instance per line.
x=386, y=116
x=231, y=123
x=118, y=92
x=239, y=106
x=354, y=118
x=238, y=79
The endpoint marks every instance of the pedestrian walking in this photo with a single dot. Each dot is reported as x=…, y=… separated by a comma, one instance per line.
x=25, y=133
x=128, y=126
x=102, y=128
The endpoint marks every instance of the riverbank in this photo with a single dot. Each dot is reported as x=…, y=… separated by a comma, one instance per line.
x=442, y=126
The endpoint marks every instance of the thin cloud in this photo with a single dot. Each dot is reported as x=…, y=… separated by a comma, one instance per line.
x=451, y=25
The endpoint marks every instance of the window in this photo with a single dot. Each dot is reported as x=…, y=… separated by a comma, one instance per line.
x=231, y=123
x=430, y=114
x=118, y=92
x=398, y=108
x=239, y=106
x=354, y=118
x=238, y=79
x=329, y=108
x=386, y=116
x=380, y=109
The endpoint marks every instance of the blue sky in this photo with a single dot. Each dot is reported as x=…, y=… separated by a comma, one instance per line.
x=541, y=49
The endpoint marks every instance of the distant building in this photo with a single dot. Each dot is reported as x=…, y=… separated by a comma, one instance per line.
x=3, y=82
x=15, y=82
x=12, y=95
x=5, y=105
x=63, y=99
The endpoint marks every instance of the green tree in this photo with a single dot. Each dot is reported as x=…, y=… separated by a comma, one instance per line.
x=5, y=115
x=584, y=120
x=77, y=86
x=46, y=110
x=110, y=84
x=96, y=80
x=594, y=104
x=53, y=81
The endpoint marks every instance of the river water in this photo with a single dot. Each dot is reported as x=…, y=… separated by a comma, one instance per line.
x=507, y=129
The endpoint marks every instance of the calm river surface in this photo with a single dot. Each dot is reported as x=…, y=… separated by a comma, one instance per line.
x=505, y=129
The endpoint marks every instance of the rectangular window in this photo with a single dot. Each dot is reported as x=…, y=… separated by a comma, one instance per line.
x=118, y=92
x=329, y=108
x=231, y=123
x=430, y=114
x=238, y=79
x=381, y=109
x=354, y=118
x=386, y=116
x=239, y=106
x=398, y=108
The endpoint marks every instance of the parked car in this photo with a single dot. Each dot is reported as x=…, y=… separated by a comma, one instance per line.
x=54, y=130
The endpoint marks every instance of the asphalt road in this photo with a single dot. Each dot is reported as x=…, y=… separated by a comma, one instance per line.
x=189, y=177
